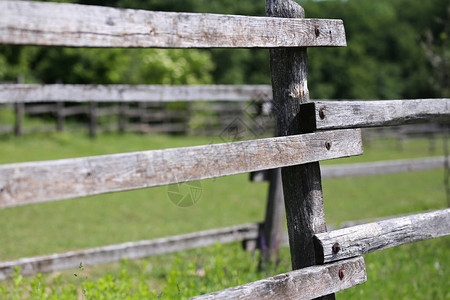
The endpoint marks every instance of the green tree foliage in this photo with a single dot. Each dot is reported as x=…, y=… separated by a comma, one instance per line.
x=384, y=58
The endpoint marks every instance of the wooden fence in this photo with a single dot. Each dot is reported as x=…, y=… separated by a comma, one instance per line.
x=142, y=108
x=324, y=262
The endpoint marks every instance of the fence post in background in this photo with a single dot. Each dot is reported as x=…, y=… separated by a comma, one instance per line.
x=302, y=187
x=142, y=116
x=93, y=119
x=60, y=116
x=19, y=109
x=274, y=219
x=123, y=117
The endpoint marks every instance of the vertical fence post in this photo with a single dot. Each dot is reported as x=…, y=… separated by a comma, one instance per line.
x=142, y=116
x=123, y=117
x=60, y=116
x=93, y=119
x=19, y=109
x=274, y=219
x=302, y=187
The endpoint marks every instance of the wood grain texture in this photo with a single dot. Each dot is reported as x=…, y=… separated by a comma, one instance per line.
x=362, y=239
x=10, y=93
x=61, y=24
x=382, y=167
x=307, y=283
x=302, y=187
x=369, y=169
x=130, y=250
x=274, y=220
x=356, y=114
x=33, y=182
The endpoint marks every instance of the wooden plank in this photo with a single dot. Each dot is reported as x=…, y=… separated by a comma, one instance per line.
x=369, y=169
x=146, y=128
x=19, y=109
x=33, y=182
x=362, y=239
x=93, y=119
x=274, y=220
x=61, y=24
x=75, y=110
x=107, y=111
x=302, y=186
x=123, y=118
x=60, y=116
x=38, y=109
x=10, y=93
x=356, y=114
x=307, y=283
x=130, y=250
x=382, y=167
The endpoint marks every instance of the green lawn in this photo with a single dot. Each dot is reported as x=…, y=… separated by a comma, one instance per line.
x=415, y=271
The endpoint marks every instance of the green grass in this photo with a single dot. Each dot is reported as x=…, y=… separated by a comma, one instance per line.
x=415, y=271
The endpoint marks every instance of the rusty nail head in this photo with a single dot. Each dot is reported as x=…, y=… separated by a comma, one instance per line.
x=328, y=145
x=336, y=248
x=341, y=273
x=322, y=113
x=317, y=31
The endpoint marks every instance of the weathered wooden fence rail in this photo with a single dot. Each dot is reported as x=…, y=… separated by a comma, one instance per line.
x=389, y=112
x=25, y=23
x=297, y=150
x=150, y=115
x=130, y=250
x=12, y=93
x=369, y=169
x=34, y=182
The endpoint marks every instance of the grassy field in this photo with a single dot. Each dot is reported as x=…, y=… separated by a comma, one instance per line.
x=415, y=271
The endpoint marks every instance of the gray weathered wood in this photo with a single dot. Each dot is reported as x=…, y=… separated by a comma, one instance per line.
x=60, y=114
x=362, y=239
x=32, y=182
x=356, y=114
x=75, y=110
x=130, y=250
x=301, y=184
x=10, y=93
x=146, y=128
x=93, y=119
x=61, y=24
x=274, y=219
x=37, y=109
x=123, y=117
x=382, y=167
x=19, y=109
x=371, y=168
x=307, y=283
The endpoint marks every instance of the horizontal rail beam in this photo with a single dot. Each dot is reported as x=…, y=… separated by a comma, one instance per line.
x=358, y=114
x=382, y=167
x=362, y=239
x=307, y=283
x=11, y=93
x=371, y=168
x=74, y=25
x=130, y=250
x=33, y=182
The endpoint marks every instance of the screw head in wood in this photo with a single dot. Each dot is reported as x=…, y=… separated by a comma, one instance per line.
x=341, y=273
x=328, y=145
x=317, y=31
x=336, y=248
x=322, y=113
